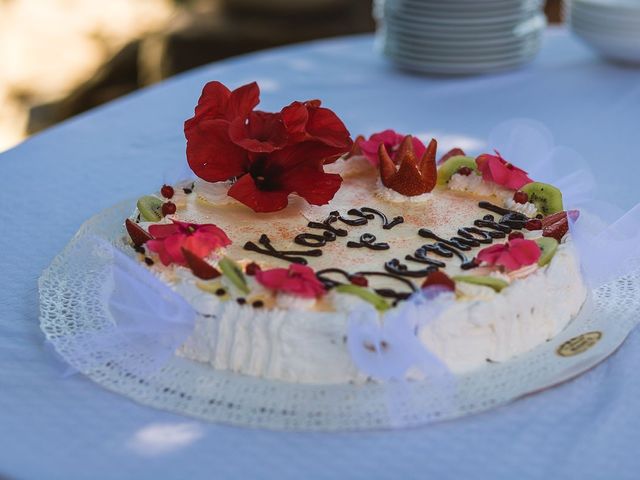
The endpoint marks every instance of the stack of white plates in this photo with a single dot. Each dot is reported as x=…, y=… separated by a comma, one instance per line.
x=458, y=37
x=612, y=27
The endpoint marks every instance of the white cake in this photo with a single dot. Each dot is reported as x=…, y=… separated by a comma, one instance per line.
x=515, y=278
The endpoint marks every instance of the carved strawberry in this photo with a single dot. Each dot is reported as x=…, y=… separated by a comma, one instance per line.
x=355, y=148
x=138, y=235
x=413, y=177
x=199, y=267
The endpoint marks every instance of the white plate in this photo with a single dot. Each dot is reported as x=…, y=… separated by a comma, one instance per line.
x=466, y=33
x=628, y=25
x=466, y=68
x=440, y=45
x=606, y=6
x=468, y=12
x=459, y=56
x=472, y=5
x=493, y=4
x=462, y=17
x=620, y=49
x=609, y=18
x=456, y=21
x=632, y=35
x=437, y=39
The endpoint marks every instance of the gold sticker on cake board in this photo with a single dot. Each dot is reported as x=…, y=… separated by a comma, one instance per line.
x=579, y=344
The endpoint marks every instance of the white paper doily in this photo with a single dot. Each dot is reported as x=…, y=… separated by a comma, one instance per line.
x=70, y=309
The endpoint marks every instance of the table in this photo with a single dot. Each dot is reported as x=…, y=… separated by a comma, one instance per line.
x=55, y=426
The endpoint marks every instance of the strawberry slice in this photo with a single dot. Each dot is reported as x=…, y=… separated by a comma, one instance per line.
x=440, y=279
x=454, y=152
x=199, y=267
x=138, y=235
x=556, y=230
x=557, y=225
x=553, y=218
x=556, y=217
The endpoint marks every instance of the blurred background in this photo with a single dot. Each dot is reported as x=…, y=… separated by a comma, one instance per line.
x=59, y=58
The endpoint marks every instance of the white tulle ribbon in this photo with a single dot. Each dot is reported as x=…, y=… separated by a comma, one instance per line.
x=144, y=320
x=606, y=238
x=608, y=250
x=387, y=347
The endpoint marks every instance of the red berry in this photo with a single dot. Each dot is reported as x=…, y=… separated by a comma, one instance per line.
x=466, y=171
x=252, y=268
x=520, y=197
x=514, y=235
x=168, y=208
x=359, y=280
x=533, y=224
x=167, y=191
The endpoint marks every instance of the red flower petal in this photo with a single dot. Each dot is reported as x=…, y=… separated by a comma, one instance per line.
x=309, y=122
x=212, y=103
x=491, y=254
x=262, y=132
x=298, y=280
x=161, y=232
x=526, y=252
x=495, y=169
x=211, y=154
x=294, y=117
x=243, y=100
x=171, y=239
x=221, y=236
x=391, y=141
x=512, y=255
x=325, y=126
x=246, y=191
x=312, y=184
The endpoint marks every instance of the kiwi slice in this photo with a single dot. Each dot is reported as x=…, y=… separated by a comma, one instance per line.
x=548, y=245
x=234, y=273
x=546, y=198
x=491, y=282
x=150, y=208
x=365, y=294
x=451, y=167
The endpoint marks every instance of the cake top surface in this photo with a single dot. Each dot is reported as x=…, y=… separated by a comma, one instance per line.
x=287, y=205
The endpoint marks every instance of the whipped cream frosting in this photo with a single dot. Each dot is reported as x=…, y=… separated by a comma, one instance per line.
x=300, y=340
x=481, y=326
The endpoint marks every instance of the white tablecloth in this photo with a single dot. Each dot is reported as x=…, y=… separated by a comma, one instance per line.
x=58, y=427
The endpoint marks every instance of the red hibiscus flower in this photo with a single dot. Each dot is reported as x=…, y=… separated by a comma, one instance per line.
x=297, y=280
x=169, y=240
x=515, y=254
x=496, y=169
x=268, y=155
x=391, y=141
